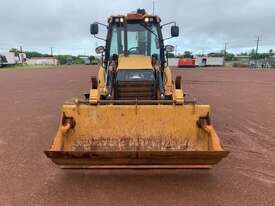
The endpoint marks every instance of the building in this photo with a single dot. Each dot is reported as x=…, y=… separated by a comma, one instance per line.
x=209, y=61
x=173, y=62
x=86, y=60
x=9, y=57
x=42, y=61
x=3, y=60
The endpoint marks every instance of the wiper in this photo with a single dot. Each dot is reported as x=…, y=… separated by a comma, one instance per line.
x=147, y=28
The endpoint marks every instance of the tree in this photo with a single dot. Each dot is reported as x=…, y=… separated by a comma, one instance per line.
x=31, y=54
x=229, y=57
x=15, y=51
x=78, y=60
x=91, y=58
x=170, y=55
x=252, y=54
x=64, y=59
x=187, y=54
x=216, y=54
x=270, y=52
x=243, y=54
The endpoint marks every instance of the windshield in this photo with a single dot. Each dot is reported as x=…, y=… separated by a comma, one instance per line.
x=141, y=39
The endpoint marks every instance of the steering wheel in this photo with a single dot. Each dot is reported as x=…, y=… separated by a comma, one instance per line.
x=133, y=50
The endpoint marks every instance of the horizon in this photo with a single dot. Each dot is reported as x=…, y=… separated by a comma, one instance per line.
x=205, y=26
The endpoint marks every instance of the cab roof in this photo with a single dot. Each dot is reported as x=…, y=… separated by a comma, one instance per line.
x=140, y=14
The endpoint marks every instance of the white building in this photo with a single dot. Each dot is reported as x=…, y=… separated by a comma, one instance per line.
x=209, y=61
x=86, y=59
x=42, y=61
x=10, y=58
x=173, y=62
x=3, y=60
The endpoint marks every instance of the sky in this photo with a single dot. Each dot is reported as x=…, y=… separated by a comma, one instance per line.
x=205, y=25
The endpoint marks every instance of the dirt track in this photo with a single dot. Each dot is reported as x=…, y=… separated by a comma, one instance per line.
x=243, y=104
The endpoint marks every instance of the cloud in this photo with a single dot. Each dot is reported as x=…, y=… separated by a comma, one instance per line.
x=204, y=24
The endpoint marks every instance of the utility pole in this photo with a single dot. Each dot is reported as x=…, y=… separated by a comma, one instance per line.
x=20, y=55
x=52, y=56
x=225, y=48
x=257, y=47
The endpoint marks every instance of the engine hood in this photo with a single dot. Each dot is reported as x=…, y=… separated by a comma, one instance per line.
x=134, y=62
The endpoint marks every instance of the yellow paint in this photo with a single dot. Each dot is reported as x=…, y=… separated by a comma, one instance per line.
x=179, y=96
x=101, y=81
x=168, y=85
x=134, y=62
x=175, y=123
x=94, y=96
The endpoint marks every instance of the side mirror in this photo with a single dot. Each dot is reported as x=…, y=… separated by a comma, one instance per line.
x=169, y=48
x=94, y=28
x=100, y=49
x=174, y=31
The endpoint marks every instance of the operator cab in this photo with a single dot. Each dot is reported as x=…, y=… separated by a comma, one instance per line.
x=136, y=40
x=134, y=36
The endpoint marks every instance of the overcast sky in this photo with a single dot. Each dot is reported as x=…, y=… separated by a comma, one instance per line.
x=205, y=25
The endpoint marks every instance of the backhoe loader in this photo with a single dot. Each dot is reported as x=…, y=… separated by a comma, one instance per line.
x=135, y=114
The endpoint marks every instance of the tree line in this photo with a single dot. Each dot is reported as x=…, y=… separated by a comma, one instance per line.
x=62, y=59
x=228, y=56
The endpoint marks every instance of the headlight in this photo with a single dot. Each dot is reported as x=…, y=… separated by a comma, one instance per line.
x=146, y=19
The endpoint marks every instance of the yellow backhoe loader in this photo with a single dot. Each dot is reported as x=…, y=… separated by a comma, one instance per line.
x=135, y=115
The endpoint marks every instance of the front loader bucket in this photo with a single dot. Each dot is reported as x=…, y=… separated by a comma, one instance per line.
x=136, y=136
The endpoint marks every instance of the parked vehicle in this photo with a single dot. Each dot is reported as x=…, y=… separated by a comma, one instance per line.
x=186, y=62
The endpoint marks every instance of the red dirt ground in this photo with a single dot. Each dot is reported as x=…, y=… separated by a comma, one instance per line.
x=243, y=104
